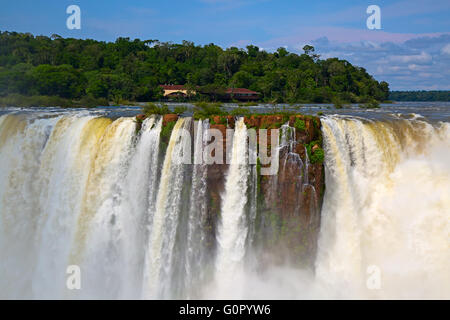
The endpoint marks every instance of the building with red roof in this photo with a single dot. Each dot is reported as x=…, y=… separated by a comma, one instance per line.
x=242, y=94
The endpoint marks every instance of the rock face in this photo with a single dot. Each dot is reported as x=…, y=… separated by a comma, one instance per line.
x=288, y=203
x=169, y=118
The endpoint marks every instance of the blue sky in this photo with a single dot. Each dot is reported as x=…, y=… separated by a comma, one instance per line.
x=411, y=51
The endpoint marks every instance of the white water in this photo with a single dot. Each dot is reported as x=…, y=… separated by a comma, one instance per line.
x=158, y=274
x=80, y=189
x=139, y=205
x=196, y=259
x=387, y=204
x=232, y=231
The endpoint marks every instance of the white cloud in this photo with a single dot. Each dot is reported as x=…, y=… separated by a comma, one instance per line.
x=415, y=67
x=446, y=49
x=423, y=57
x=419, y=63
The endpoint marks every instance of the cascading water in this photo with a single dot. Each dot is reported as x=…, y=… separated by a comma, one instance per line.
x=139, y=202
x=232, y=232
x=99, y=245
x=196, y=258
x=159, y=275
x=386, y=208
x=80, y=189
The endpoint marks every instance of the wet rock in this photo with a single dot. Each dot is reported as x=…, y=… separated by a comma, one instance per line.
x=314, y=148
x=253, y=121
x=230, y=121
x=169, y=118
x=141, y=117
x=290, y=210
x=271, y=121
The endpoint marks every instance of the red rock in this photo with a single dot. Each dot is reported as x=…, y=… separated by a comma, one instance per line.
x=221, y=127
x=230, y=121
x=216, y=119
x=314, y=148
x=270, y=120
x=141, y=117
x=169, y=118
x=253, y=121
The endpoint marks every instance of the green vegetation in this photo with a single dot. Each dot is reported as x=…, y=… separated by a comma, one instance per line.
x=179, y=110
x=419, y=95
x=165, y=134
x=299, y=124
x=372, y=104
x=240, y=111
x=248, y=104
x=338, y=104
x=221, y=120
x=18, y=100
x=152, y=108
x=132, y=70
x=204, y=110
x=318, y=155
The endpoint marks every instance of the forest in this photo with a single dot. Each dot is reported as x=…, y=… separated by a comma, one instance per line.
x=419, y=95
x=90, y=71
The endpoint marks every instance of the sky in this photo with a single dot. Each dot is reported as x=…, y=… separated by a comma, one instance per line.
x=411, y=51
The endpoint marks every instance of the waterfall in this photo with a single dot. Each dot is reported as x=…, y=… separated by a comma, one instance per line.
x=386, y=205
x=100, y=237
x=142, y=220
x=196, y=259
x=139, y=204
x=252, y=195
x=232, y=232
x=165, y=220
x=74, y=190
x=70, y=148
x=21, y=146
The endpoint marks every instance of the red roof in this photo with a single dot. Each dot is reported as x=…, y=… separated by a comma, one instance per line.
x=229, y=90
x=172, y=87
x=241, y=90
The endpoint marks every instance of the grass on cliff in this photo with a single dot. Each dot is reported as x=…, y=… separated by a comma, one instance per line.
x=318, y=155
x=299, y=124
x=241, y=111
x=164, y=136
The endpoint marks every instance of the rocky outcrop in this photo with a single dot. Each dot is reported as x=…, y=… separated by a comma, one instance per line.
x=289, y=203
x=169, y=118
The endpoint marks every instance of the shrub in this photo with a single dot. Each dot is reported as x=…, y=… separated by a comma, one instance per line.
x=180, y=110
x=91, y=102
x=372, y=104
x=318, y=155
x=240, y=111
x=204, y=110
x=337, y=103
x=166, y=132
x=299, y=124
x=151, y=108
